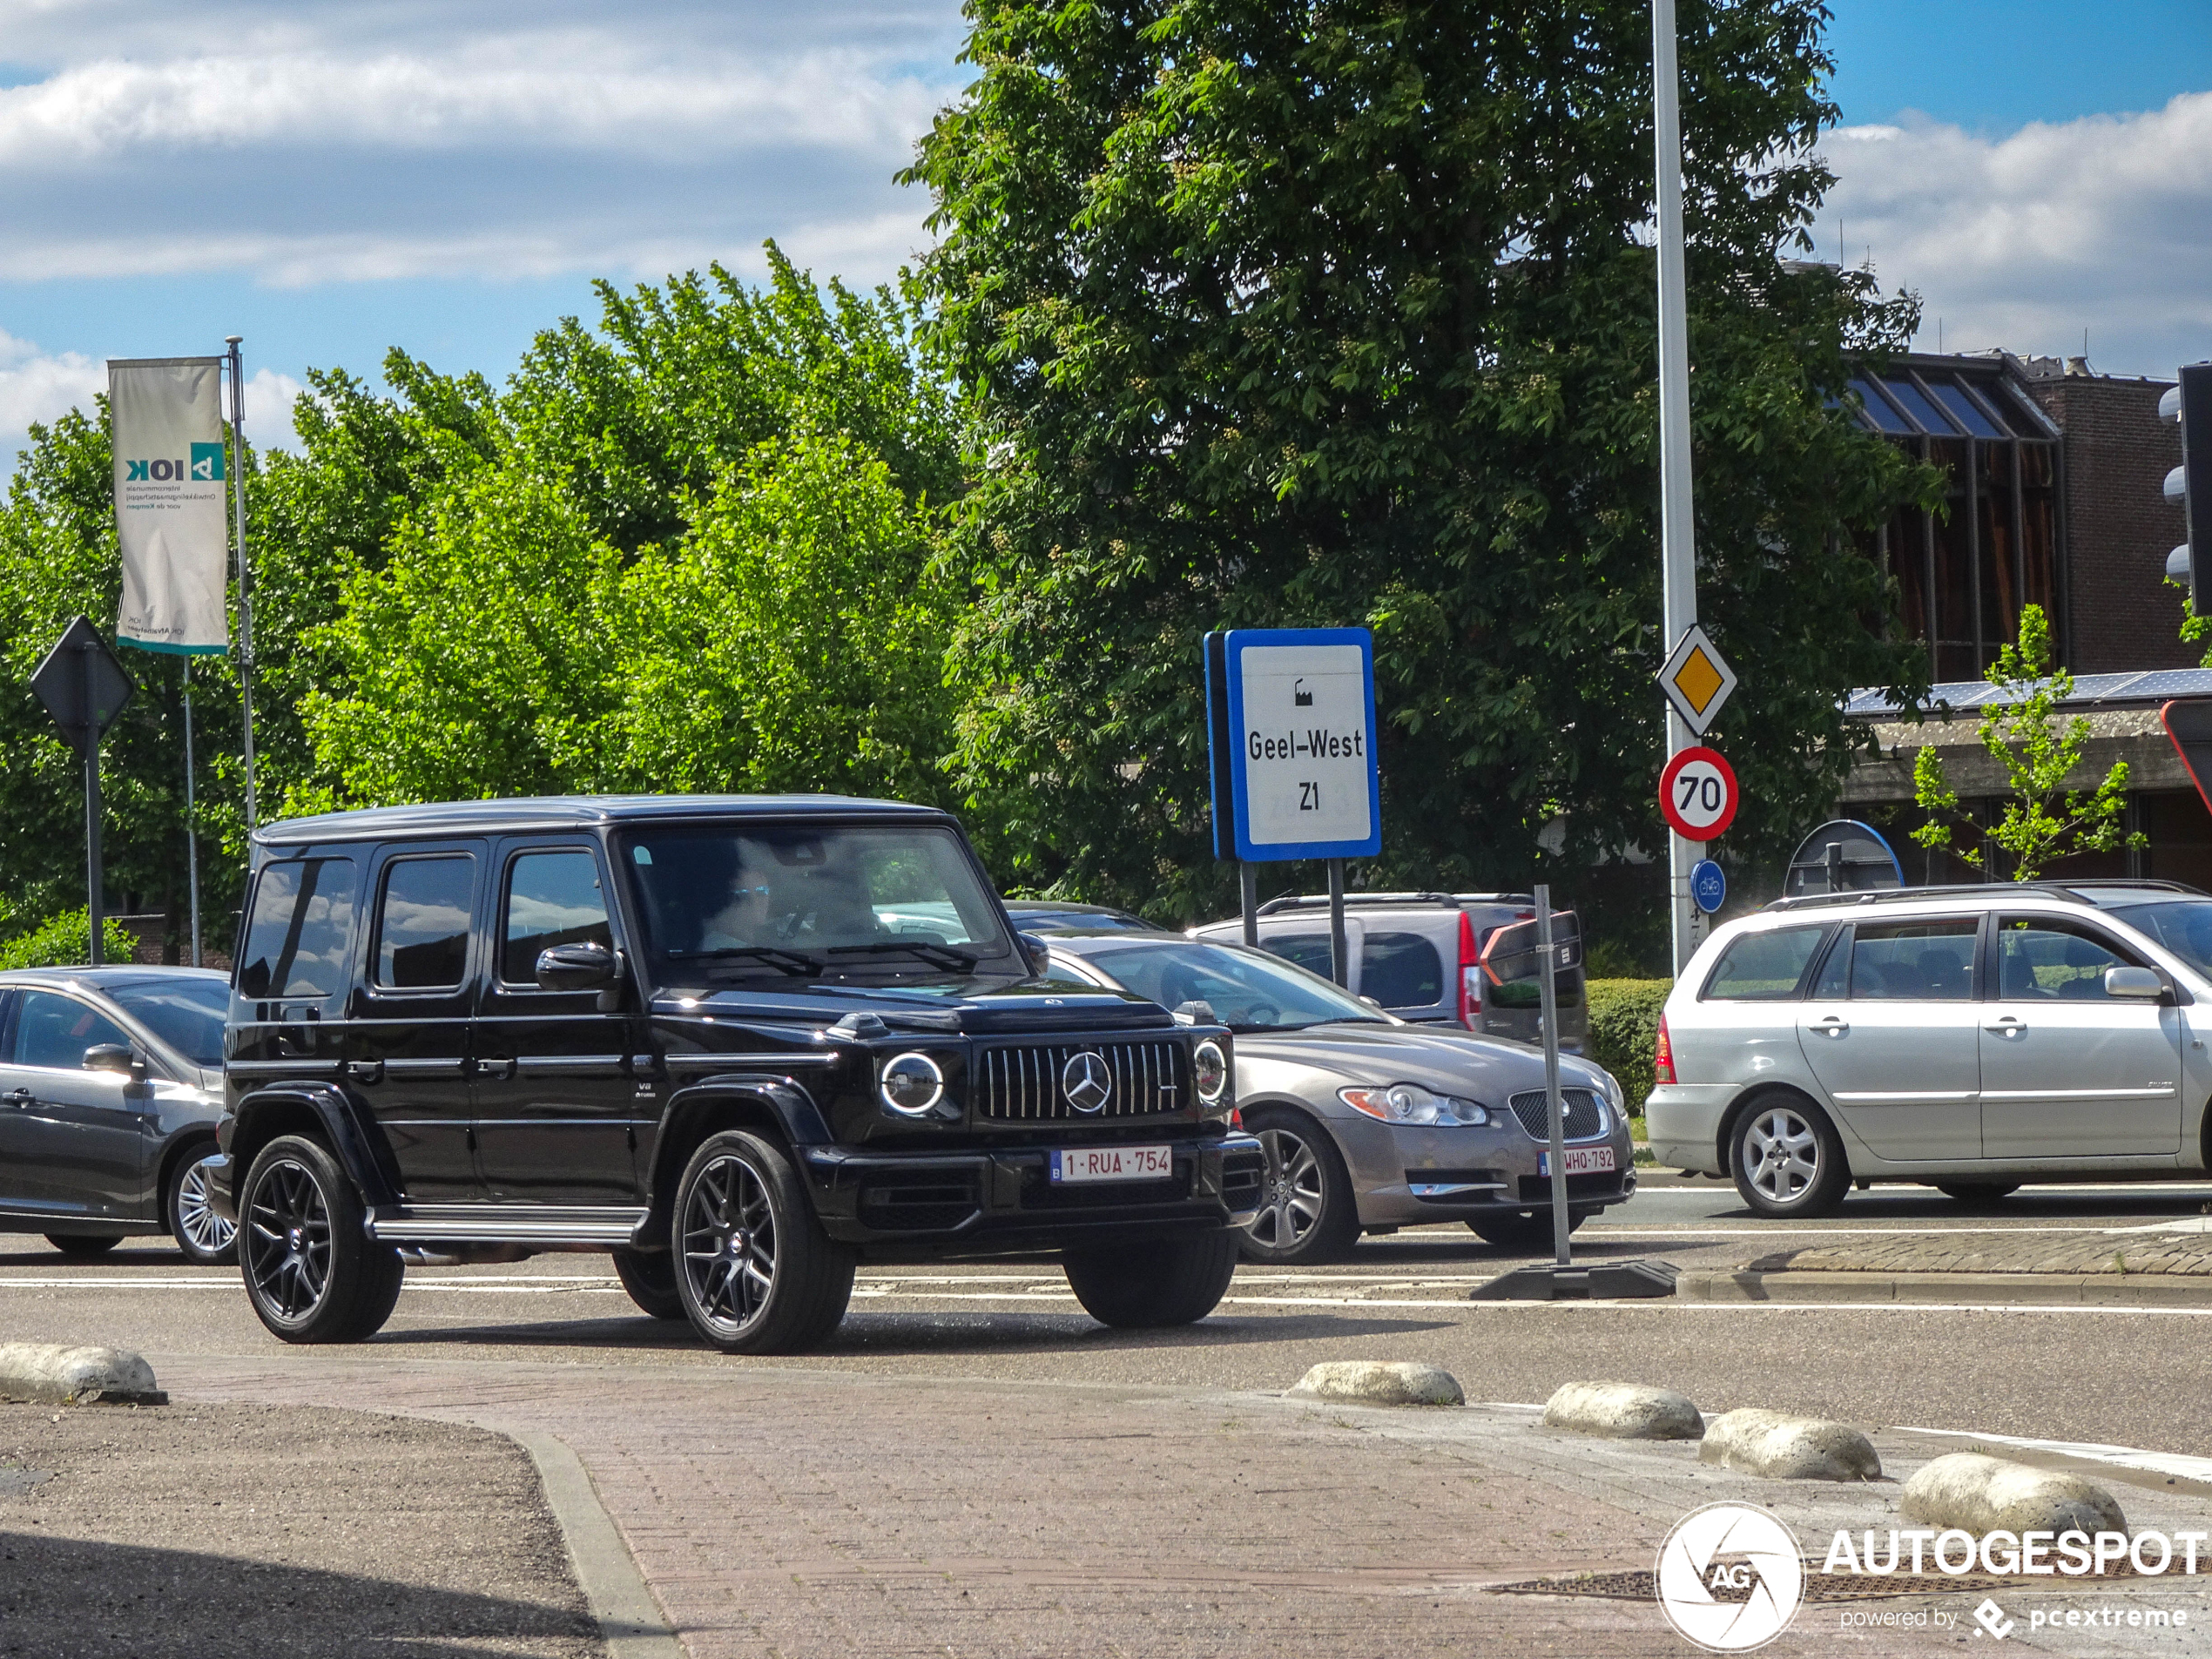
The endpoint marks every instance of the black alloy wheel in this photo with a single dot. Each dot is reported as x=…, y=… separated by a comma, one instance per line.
x=1524, y=1230
x=84, y=1247
x=1978, y=1192
x=206, y=1237
x=649, y=1277
x=311, y=1270
x=1168, y=1281
x=755, y=1270
x=1306, y=1213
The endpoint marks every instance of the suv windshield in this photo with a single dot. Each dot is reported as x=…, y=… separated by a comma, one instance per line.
x=2184, y=926
x=1249, y=990
x=813, y=901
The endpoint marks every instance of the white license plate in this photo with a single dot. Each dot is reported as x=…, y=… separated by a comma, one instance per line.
x=1579, y=1160
x=1113, y=1164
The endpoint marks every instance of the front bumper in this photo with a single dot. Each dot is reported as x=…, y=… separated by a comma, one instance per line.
x=1404, y=1174
x=221, y=1196
x=1003, y=1201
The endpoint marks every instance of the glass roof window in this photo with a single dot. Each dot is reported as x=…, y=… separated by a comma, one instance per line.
x=1877, y=407
x=1917, y=405
x=1953, y=397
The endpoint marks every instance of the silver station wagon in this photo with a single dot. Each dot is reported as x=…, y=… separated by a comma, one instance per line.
x=1971, y=1038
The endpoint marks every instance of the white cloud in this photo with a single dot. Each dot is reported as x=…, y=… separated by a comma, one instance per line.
x=2021, y=242
x=269, y=398
x=38, y=386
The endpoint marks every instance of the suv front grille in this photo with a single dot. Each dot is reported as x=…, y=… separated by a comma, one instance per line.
x=1023, y=1082
x=1582, y=1118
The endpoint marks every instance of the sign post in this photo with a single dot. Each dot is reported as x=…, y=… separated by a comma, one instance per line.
x=1547, y=995
x=1290, y=732
x=83, y=687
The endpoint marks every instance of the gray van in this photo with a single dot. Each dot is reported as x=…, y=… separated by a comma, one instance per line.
x=1433, y=958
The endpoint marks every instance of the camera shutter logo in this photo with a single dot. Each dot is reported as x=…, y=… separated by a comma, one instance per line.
x=1731, y=1577
x=1087, y=1081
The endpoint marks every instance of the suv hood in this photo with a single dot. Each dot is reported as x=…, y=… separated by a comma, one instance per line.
x=1026, y=1005
x=1449, y=1062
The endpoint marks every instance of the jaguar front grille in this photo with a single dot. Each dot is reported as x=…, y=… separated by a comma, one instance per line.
x=1581, y=1117
x=1028, y=1083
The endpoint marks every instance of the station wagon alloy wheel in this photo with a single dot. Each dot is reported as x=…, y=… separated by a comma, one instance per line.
x=201, y=1233
x=1787, y=1159
x=1786, y=1154
x=288, y=1248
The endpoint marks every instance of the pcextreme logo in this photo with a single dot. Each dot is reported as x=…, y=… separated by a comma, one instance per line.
x=205, y=466
x=1731, y=1577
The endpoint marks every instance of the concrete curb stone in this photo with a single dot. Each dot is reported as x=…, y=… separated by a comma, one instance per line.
x=2020, y=1289
x=1778, y=1446
x=1374, y=1382
x=1983, y=1494
x=52, y=1373
x=1623, y=1412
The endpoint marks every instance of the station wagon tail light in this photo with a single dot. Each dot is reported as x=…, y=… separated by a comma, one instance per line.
x=1470, y=975
x=1663, y=1054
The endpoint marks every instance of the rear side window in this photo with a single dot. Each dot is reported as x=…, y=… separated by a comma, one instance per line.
x=552, y=898
x=1920, y=962
x=422, y=923
x=1764, y=967
x=1399, y=970
x=299, y=938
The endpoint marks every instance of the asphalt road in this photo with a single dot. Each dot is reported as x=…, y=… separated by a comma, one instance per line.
x=2123, y=1377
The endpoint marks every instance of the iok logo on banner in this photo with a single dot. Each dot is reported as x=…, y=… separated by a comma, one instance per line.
x=206, y=466
x=170, y=511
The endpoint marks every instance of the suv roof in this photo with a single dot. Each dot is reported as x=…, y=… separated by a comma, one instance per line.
x=2103, y=893
x=565, y=811
x=1305, y=901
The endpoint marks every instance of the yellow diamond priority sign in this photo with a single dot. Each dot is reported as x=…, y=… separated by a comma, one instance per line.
x=1697, y=679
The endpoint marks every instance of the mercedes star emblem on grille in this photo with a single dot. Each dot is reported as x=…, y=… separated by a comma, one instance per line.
x=1087, y=1081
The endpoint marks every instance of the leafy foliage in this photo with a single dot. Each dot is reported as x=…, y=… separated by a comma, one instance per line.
x=2039, y=752
x=1624, y=1032
x=66, y=940
x=1283, y=314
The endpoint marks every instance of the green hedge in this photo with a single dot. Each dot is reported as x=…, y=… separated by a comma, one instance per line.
x=1624, y=1030
x=65, y=940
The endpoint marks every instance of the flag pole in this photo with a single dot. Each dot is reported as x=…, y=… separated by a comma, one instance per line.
x=244, y=582
x=191, y=828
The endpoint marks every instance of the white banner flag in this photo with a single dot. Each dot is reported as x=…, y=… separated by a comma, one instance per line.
x=167, y=420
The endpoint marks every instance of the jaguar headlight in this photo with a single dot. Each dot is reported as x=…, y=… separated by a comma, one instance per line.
x=1411, y=1103
x=911, y=1085
x=1210, y=1070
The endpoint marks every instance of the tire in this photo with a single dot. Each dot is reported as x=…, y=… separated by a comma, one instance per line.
x=311, y=1270
x=1978, y=1192
x=1522, y=1229
x=1168, y=1281
x=754, y=1270
x=207, y=1238
x=84, y=1247
x=1308, y=1213
x=651, y=1280
x=1787, y=1159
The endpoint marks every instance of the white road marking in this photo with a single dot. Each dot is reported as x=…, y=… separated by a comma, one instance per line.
x=2125, y=1457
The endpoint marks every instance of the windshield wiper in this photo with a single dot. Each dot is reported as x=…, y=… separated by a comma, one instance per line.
x=795, y=963
x=937, y=955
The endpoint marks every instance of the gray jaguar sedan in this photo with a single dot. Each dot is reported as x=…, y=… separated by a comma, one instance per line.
x=1370, y=1123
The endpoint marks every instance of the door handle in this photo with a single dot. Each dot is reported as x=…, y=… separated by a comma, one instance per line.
x=2007, y=1027
x=18, y=1098
x=1832, y=1027
x=499, y=1067
x=366, y=1071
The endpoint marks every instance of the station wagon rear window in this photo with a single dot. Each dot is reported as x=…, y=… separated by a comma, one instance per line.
x=1764, y=967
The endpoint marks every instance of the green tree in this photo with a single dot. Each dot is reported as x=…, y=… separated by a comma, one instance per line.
x=1278, y=313
x=2039, y=752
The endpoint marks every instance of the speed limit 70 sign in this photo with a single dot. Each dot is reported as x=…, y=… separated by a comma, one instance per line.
x=1697, y=793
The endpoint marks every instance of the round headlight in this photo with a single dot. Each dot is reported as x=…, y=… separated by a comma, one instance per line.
x=911, y=1084
x=1211, y=1068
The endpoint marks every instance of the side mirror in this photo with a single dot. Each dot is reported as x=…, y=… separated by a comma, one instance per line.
x=1195, y=1012
x=2133, y=983
x=1371, y=1002
x=1034, y=952
x=112, y=1056
x=575, y=967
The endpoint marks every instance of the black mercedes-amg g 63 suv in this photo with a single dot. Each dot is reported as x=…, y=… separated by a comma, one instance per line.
x=741, y=1043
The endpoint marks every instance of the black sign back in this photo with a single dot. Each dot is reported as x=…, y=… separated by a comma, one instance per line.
x=84, y=704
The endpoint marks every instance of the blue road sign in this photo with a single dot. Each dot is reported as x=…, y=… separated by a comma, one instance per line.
x=1707, y=886
x=1291, y=730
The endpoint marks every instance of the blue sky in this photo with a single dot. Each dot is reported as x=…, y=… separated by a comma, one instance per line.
x=331, y=179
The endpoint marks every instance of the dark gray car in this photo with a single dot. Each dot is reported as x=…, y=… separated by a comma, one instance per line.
x=1371, y=1123
x=110, y=1085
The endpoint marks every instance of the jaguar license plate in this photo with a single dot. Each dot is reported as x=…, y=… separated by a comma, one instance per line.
x=1114, y=1164
x=1579, y=1160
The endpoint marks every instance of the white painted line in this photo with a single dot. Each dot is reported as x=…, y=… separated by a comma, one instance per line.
x=2125, y=1457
